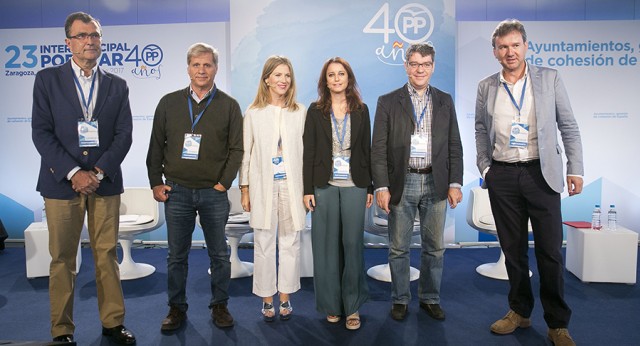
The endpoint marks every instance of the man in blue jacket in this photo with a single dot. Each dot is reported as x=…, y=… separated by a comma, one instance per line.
x=81, y=126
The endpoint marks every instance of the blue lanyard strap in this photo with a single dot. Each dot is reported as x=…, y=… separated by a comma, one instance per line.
x=424, y=110
x=513, y=100
x=195, y=121
x=344, y=128
x=86, y=102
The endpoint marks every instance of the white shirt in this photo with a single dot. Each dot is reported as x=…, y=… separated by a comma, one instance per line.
x=506, y=113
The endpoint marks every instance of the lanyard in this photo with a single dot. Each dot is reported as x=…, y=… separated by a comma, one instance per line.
x=344, y=128
x=513, y=100
x=197, y=119
x=86, y=102
x=424, y=110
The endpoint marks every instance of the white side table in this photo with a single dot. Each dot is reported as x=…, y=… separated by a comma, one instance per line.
x=36, y=246
x=602, y=256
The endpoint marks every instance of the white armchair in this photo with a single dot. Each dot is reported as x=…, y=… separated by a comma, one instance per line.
x=480, y=217
x=139, y=213
x=237, y=226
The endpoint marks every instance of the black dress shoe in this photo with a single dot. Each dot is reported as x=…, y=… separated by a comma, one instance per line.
x=398, y=311
x=433, y=310
x=119, y=335
x=64, y=338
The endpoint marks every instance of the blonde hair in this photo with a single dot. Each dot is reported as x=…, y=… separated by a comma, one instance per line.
x=263, y=97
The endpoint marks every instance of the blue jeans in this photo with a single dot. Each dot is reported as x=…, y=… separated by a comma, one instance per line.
x=180, y=209
x=418, y=194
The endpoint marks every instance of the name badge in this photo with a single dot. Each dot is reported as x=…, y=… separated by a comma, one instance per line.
x=191, y=146
x=519, y=135
x=278, y=168
x=419, y=146
x=341, y=167
x=88, y=133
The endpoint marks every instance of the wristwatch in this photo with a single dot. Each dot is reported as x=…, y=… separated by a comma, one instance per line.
x=99, y=174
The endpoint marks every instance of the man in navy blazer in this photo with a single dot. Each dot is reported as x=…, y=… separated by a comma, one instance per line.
x=518, y=114
x=81, y=126
x=416, y=164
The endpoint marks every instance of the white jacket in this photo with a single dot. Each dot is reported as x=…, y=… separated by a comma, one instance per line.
x=260, y=136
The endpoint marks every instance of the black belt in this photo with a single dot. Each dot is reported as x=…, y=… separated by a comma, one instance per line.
x=420, y=170
x=517, y=163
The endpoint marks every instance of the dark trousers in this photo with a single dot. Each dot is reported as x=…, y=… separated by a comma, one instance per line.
x=518, y=194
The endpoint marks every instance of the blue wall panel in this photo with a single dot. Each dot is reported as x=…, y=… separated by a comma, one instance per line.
x=470, y=10
x=20, y=14
x=208, y=11
x=560, y=10
x=501, y=9
x=51, y=13
x=119, y=12
x=164, y=11
x=610, y=10
x=54, y=12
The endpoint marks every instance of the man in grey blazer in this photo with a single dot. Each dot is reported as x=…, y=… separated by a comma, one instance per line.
x=518, y=113
x=416, y=163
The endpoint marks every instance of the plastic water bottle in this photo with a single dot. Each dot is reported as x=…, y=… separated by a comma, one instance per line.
x=595, y=218
x=44, y=216
x=612, y=218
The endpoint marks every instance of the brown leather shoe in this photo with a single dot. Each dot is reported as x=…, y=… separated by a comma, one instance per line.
x=398, y=311
x=221, y=316
x=560, y=337
x=174, y=319
x=509, y=323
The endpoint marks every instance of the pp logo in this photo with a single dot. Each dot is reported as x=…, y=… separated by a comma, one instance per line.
x=152, y=55
x=414, y=23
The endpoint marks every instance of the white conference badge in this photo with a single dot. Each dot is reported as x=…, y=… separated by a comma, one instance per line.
x=419, y=146
x=519, y=135
x=341, y=167
x=191, y=146
x=278, y=168
x=88, y=134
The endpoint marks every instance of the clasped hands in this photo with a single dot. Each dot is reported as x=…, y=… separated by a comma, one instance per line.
x=85, y=182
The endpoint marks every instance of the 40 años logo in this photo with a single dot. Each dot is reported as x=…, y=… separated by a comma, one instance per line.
x=413, y=23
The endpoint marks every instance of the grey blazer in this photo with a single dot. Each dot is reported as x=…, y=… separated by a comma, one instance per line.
x=553, y=112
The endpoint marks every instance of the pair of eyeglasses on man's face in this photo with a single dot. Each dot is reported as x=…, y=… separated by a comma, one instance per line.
x=415, y=65
x=83, y=36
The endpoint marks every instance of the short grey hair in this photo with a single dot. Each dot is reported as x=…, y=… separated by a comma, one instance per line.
x=202, y=48
x=424, y=49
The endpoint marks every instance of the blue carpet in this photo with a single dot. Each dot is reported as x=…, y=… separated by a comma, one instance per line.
x=603, y=314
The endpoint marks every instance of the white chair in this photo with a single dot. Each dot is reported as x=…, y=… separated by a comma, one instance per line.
x=376, y=223
x=139, y=213
x=480, y=217
x=237, y=226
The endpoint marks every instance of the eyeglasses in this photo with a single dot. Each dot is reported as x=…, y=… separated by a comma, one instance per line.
x=414, y=65
x=83, y=36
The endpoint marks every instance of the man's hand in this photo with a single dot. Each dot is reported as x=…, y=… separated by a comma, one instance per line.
x=161, y=192
x=382, y=199
x=574, y=185
x=220, y=187
x=84, y=182
x=454, y=197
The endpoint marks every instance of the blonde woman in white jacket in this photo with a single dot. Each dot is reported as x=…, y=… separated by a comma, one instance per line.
x=271, y=185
